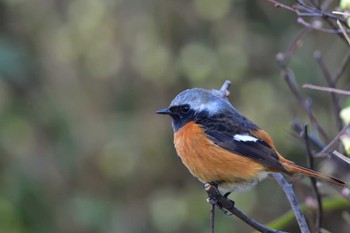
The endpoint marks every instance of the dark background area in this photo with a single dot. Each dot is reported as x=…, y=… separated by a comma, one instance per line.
x=81, y=148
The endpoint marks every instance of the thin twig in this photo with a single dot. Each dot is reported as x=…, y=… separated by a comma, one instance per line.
x=326, y=89
x=342, y=67
x=289, y=77
x=287, y=188
x=341, y=156
x=313, y=26
x=322, y=13
x=328, y=17
x=296, y=44
x=281, y=5
x=313, y=138
x=333, y=143
x=228, y=205
x=212, y=218
x=319, y=218
x=335, y=99
x=301, y=9
x=343, y=31
x=346, y=14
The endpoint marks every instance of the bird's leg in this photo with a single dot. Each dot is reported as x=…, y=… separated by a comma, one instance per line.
x=215, y=198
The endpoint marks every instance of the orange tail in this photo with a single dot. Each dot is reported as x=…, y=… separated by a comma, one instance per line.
x=298, y=169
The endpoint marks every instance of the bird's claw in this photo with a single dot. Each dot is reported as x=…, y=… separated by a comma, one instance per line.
x=215, y=202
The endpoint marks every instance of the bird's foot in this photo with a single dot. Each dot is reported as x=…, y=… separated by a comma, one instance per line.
x=215, y=198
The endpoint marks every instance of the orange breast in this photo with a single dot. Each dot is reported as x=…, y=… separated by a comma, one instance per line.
x=210, y=162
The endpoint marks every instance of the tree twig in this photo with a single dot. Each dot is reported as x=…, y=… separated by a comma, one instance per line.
x=301, y=9
x=314, y=139
x=330, y=81
x=281, y=5
x=287, y=188
x=319, y=218
x=222, y=202
x=289, y=77
x=296, y=44
x=343, y=31
x=333, y=143
x=342, y=67
x=316, y=27
x=326, y=89
x=212, y=218
x=341, y=156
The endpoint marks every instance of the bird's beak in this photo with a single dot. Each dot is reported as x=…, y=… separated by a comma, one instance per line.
x=164, y=111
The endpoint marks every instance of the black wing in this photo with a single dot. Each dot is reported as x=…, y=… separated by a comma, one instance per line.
x=221, y=129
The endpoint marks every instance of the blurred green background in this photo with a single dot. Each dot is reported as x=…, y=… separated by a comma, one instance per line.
x=80, y=80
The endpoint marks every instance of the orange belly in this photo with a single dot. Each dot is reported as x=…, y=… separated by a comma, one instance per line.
x=209, y=162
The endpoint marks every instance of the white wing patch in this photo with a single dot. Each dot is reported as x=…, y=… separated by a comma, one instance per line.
x=244, y=138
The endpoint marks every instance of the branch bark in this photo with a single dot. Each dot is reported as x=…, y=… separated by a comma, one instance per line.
x=227, y=205
x=288, y=190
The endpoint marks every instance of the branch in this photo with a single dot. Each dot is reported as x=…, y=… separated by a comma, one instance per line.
x=314, y=139
x=341, y=156
x=335, y=99
x=317, y=26
x=318, y=223
x=326, y=89
x=342, y=67
x=343, y=31
x=226, y=204
x=212, y=218
x=281, y=5
x=289, y=77
x=302, y=10
x=333, y=143
x=287, y=188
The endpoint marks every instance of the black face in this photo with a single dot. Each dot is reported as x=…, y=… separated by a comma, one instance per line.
x=181, y=115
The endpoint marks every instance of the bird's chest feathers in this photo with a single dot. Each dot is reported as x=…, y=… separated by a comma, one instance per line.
x=208, y=161
x=192, y=146
x=190, y=141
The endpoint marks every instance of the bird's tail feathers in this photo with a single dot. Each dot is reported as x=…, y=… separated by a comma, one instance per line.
x=298, y=169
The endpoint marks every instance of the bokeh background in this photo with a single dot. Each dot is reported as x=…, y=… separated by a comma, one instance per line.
x=81, y=149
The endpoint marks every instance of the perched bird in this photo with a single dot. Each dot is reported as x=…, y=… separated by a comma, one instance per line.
x=221, y=146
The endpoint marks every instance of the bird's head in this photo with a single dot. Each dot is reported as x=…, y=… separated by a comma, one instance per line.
x=192, y=103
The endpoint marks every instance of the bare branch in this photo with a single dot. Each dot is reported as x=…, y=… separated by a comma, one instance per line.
x=226, y=204
x=326, y=89
x=289, y=77
x=344, y=31
x=288, y=190
x=319, y=218
x=303, y=10
x=317, y=27
x=224, y=90
x=281, y=5
x=334, y=142
x=331, y=84
x=212, y=218
x=342, y=67
x=341, y=156
x=346, y=14
x=313, y=138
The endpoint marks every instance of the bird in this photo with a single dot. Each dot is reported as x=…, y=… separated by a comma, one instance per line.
x=220, y=146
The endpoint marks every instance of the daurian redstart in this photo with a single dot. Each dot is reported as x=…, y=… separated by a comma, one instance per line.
x=219, y=145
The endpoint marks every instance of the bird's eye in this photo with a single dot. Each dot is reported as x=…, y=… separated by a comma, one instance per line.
x=185, y=108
